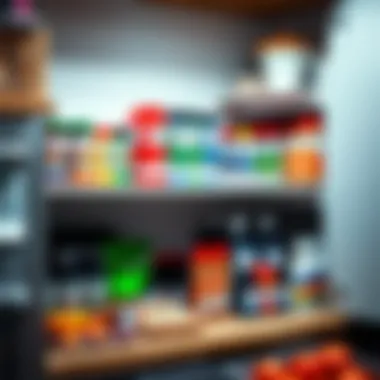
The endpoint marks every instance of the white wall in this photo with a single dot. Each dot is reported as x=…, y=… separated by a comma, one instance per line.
x=111, y=54
x=350, y=90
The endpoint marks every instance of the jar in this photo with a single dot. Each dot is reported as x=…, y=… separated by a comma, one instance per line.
x=285, y=61
x=304, y=158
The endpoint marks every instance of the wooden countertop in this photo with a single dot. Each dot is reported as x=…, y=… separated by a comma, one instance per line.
x=220, y=336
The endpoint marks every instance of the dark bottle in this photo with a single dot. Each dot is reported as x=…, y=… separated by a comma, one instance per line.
x=244, y=254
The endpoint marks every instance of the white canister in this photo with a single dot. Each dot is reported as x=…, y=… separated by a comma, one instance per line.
x=286, y=62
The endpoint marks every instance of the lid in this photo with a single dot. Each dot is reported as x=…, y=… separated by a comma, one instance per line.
x=211, y=252
x=267, y=223
x=78, y=127
x=282, y=41
x=103, y=132
x=148, y=117
x=239, y=224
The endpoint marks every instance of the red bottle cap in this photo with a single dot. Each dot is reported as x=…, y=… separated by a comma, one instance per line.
x=148, y=118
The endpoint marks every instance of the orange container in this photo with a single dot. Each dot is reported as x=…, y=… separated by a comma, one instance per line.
x=304, y=161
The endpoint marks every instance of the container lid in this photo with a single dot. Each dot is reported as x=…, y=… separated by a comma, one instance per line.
x=211, y=252
x=103, y=132
x=282, y=41
x=148, y=118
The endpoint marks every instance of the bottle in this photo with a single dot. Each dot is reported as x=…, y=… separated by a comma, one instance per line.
x=268, y=268
x=244, y=254
x=120, y=165
x=306, y=268
x=102, y=165
x=269, y=235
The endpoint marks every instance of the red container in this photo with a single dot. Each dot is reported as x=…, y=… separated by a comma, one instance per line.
x=148, y=122
x=210, y=280
x=149, y=165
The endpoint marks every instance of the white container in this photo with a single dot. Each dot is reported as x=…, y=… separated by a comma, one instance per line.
x=286, y=63
x=286, y=70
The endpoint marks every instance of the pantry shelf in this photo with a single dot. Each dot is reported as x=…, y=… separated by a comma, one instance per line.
x=210, y=338
x=209, y=194
x=253, y=8
x=269, y=105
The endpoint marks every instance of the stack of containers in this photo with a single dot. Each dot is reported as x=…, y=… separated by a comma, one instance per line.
x=193, y=150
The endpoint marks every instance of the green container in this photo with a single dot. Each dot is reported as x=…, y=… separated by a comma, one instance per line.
x=127, y=265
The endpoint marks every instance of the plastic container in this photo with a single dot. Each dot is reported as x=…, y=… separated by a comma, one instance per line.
x=306, y=273
x=192, y=146
x=127, y=265
x=210, y=277
x=269, y=160
x=56, y=153
x=304, y=156
x=150, y=169
x=148, y=123
x=244, y=255
x=286, y=61
x=120, y=159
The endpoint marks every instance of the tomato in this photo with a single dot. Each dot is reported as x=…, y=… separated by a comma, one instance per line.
x=306, y=367
x=335, y=358
x=268, y=369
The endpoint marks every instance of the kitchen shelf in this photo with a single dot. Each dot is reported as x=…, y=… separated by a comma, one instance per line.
x=260, y=191
x=214, y=337
x=257, y=8
x=269, y=105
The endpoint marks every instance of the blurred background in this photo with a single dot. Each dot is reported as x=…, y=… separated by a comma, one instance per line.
x=188, y=189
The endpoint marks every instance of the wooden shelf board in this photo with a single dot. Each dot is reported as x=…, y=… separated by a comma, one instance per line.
x=225, y=192
x=259, y=8
x=213, y=337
